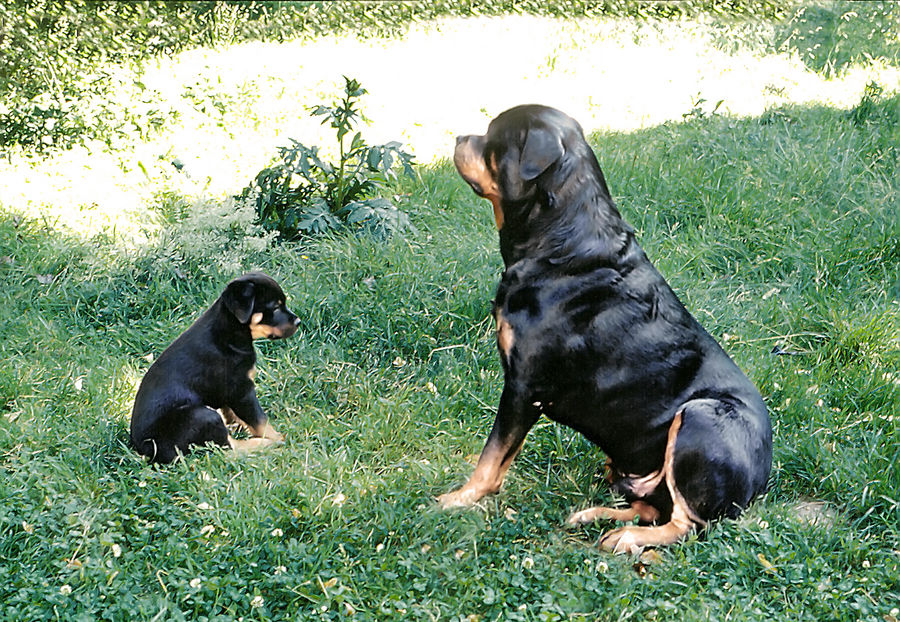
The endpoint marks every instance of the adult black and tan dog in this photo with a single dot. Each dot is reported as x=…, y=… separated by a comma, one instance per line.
x=592, y=336
x=212, y=366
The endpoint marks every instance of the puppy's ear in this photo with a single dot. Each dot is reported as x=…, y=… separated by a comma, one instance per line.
x=542, y=148
x=238, y=298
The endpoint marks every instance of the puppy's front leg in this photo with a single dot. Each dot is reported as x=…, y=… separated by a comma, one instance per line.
x=251, y=414
x=512, y=424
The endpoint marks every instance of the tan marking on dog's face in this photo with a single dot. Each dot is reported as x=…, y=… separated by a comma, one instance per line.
x=470, y=162
x=258, y=330
x=252, y=373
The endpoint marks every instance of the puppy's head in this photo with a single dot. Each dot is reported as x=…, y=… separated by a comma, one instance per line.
x=256, y=299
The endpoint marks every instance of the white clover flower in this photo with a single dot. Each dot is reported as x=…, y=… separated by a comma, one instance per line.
x=527, y=563
x=203, y=505
x=116, y=550
x=277, y=533
x=207, y=530
x=257, y=601
x=65, y=590
x=195, y=583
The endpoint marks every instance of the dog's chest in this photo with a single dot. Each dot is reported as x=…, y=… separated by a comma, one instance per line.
x=538, y=314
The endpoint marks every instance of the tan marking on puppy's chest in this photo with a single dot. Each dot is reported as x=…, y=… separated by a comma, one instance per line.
x=506, y=338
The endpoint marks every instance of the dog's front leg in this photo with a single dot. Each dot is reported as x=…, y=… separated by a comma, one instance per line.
x=514, y=420
x=254, y=418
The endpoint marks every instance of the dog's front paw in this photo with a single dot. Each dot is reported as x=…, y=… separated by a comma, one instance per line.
x=462, y=498
x=584, y=517
x=269, y=433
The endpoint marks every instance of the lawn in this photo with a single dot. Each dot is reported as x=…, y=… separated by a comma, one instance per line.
x=775, y=216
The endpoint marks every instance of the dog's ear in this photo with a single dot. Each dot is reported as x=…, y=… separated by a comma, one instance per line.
x=238, y=298
x=542, y=148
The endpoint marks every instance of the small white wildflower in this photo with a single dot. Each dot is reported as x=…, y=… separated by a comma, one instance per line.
x=65, y=590
x=207, y=530
x=430, y=386
x=195, y=583
x=602, y=566
x=27, y=527
x=142, y=484
x=338, y=499
x=527, y=563
x=277, y=533
x=203, y=505
x=866, y=563
x=116, y=550
x=280, y=570
x=380, y=547
x=257, y=601
x=522, y=607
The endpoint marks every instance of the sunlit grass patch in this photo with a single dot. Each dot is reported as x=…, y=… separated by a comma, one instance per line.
x=227, y=110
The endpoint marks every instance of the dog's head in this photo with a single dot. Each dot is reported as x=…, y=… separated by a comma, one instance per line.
x=540, y=174
x=256, y=299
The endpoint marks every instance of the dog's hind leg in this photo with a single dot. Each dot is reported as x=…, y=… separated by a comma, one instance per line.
x=204, y=426
x=645, y=512
x=683, y=519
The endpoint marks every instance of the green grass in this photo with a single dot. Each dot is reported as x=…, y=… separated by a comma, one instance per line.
x=779, y=231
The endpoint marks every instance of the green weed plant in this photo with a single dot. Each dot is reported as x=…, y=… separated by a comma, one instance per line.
x=304, y=194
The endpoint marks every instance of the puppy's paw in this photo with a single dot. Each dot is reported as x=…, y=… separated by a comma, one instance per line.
x=251, y=444
x=461, y=498
x=269, y=433
x=275, y=437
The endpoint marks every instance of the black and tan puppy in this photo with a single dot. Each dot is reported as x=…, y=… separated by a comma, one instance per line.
x=211, y=366
x=592, y=336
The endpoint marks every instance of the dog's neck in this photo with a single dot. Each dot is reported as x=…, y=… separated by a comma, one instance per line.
x=571, y=226
x=231, y=336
